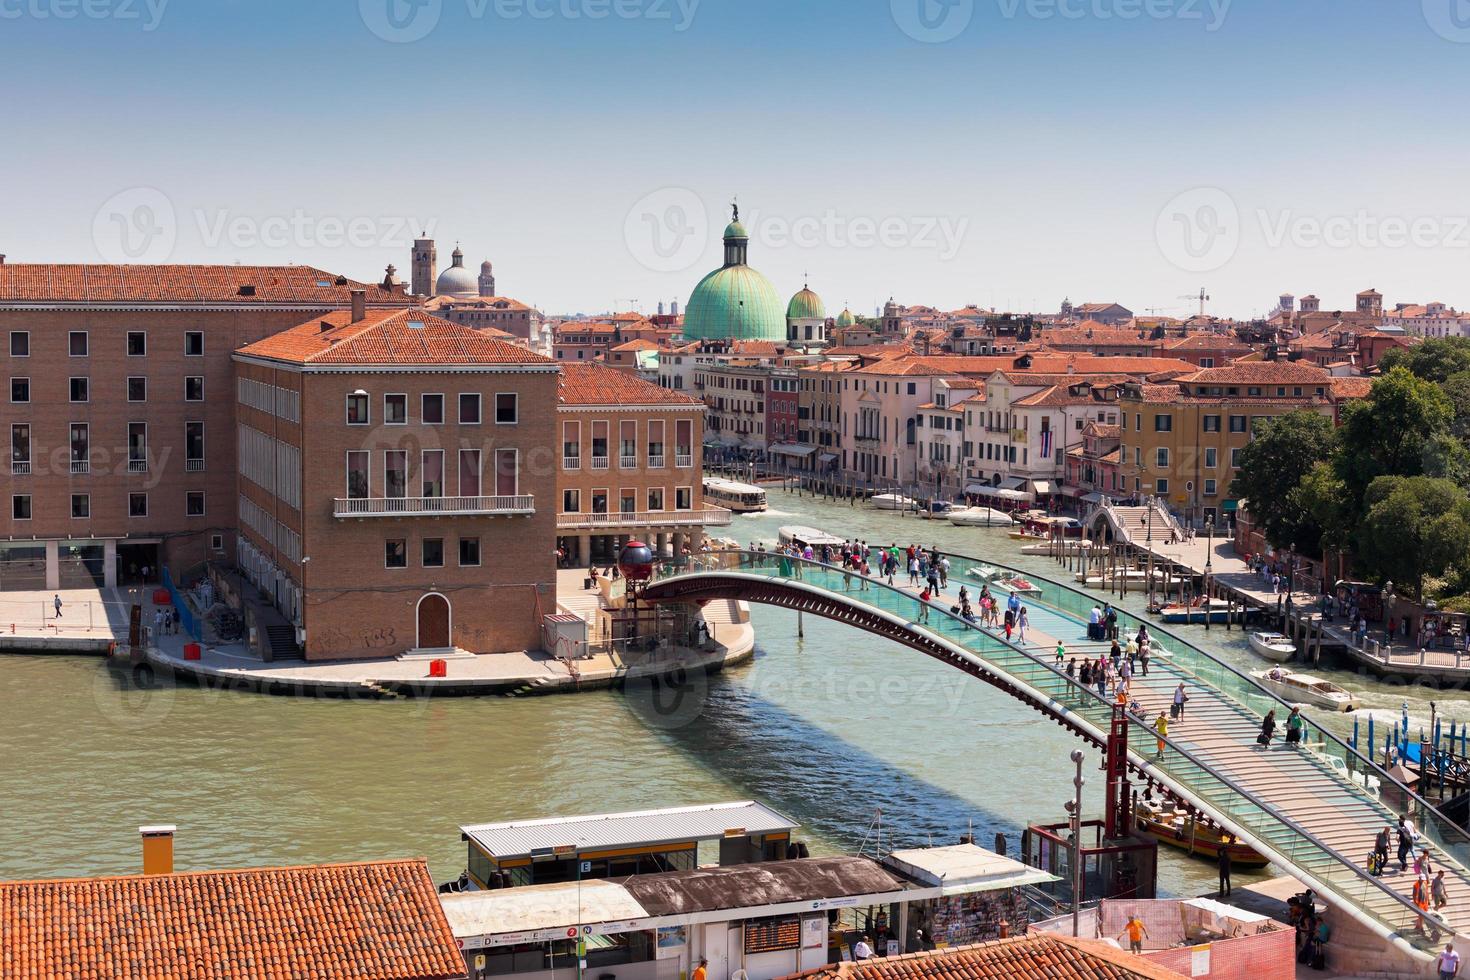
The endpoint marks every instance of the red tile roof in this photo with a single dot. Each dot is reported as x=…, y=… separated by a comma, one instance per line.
x=1351, y=387
x=1042, y=362
x=1258, y=373
x=475, y=303
x=1041, y=957
x=596, y=384
x=380, y=919
x=183, y=284
x=389, y=337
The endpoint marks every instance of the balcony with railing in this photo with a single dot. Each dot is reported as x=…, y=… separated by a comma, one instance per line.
x=20, y=467
x=600, y=462
x=705, y=517
x=193, y=466
x=656, y=462
x=137, y=466
x=79, y=466
x=684, y=461
x=571, y=462
x=627, y=462
x=434, y=506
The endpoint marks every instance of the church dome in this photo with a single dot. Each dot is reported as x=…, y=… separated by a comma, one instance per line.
x=486, y=266
x=457, y=280
x=806, y=305
x=735, y=301
x=846, y=319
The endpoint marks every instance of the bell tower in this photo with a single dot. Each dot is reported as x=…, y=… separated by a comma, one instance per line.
x=424, y=266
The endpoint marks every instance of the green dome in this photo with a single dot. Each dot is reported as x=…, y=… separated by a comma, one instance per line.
x=806, y=305
x=735, y=302
x=846, y=319
x=735, y=230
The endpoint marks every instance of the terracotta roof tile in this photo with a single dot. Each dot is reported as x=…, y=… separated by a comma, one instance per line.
x=182, y=284
x=1258, y=373
x=595, y=384
x=389, y=337
x=1039, y=957
x=379, y=919
x=1351, y=387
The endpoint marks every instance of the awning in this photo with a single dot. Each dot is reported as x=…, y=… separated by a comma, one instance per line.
x=999, y=493
x=1014, y=483
x=828, y=458
x=1041, y=486
x=1092, y=498
x=780, y=450
x=978, y=487
x=1229, y=505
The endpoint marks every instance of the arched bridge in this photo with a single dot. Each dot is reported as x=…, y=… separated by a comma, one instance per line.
x=1312, y=809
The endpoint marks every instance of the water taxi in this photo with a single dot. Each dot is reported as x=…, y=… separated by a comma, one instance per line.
x=1304, y=689
x=1047, y=528
x=1017, y=584
x=893, y=501
x=980, y=517
x=802, y=537
x=1215, y=610
x=1194, y=835
x=742, y=498
x=1273, y=646
x=984, y=573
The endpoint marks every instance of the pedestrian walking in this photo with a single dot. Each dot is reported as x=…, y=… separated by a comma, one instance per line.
x=1448, y=963
x=1161, y=726
x=1379, y=860
x=1180, y=700
x=1061, y=651
x=1143, y=660
x=1268, y=729
x=1136, y=932
x=924, y=606
x=1438, y=892
x=1072, y=673
x=1022, y=622
x=56, y=601
x=1406, y=837
x=1294, y=725
x=944, y=571
x=1223, y=860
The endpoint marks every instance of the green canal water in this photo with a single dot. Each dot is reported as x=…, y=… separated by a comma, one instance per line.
x=829, y=728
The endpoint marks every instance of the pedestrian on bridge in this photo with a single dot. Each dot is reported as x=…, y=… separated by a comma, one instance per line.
x=1380, y=851
x=1022, y=622
x=1407, y=836
x=1448, y=963
x=1180, y=700
x=1061, y=651
x=1223, y=858
x=1438, y=891
x=1268, y=729
x=1161, y=726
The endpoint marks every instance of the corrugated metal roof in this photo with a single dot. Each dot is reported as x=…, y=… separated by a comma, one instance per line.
x=767, y=883
x=520, y=838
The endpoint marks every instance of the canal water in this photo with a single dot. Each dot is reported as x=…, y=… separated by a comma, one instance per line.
x=857, y=738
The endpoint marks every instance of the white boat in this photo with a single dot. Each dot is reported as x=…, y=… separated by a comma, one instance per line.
x=802, y=537
x=1273, y=646
x=980, y=517
x=893, y=501
x=742, y=498
x=1304, y=689
x=984, y=573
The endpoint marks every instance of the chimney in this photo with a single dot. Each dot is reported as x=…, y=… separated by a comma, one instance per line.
x=2, y=258
x=359, y=305
x=158, y=849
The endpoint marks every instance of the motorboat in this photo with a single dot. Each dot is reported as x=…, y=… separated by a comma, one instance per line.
x=936, y=509
x=1304, y=689
x=796, y=535
x=1047, y=528
x=1195, y=835
x=1017, y=584
x=1215, y=610
x=1273, y=646
x=985, y=573
x=893, y=501
x=980, y=517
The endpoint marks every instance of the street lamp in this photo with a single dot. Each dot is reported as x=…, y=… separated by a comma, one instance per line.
x=1209, y=570
x=1074, y=807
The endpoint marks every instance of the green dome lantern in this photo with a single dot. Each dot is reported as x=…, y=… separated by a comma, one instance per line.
x=735, y=301
x=806, y=305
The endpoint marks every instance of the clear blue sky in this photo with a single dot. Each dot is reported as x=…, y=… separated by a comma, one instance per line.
x=1045, y=140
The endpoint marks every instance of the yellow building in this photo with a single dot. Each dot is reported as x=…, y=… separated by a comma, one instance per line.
x=1181, y=441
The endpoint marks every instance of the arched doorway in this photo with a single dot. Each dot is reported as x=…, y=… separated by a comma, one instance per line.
x=433, y=622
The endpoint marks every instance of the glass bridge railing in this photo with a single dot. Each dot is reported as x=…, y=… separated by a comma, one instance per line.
x=1274, y=829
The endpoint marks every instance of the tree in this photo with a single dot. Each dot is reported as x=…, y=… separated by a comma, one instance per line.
x=1388, y=433
x=1433, y=360
x=1323, y=495
x=1273, y=467
x=1457, y=388
x=1413, y=528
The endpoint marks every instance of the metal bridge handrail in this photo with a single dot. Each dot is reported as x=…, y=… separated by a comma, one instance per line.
x=1162, y=630
x=767, y=558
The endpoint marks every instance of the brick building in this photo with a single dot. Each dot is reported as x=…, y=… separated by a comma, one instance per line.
x=416, y=511
x=121, y=413
x=630, y=465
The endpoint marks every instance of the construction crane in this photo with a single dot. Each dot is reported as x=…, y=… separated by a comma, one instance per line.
x=1203, y=298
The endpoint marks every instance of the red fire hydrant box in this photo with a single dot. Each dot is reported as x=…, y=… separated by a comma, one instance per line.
x=191, y=651
x=438, y=668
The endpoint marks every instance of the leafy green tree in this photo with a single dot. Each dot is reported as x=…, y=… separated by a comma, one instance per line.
x=1413, y=528
x=1323, y=495
x=1457, y=388
x=1389, y=432
x=1435, y=359
x=1273, y=467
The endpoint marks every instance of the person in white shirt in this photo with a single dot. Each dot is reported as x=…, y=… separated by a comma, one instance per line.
x=1448, y=962
x=862, y=951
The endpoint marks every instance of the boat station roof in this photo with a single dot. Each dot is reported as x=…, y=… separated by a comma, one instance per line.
x=571, y=835
x=540, y=913
x=960, y=868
